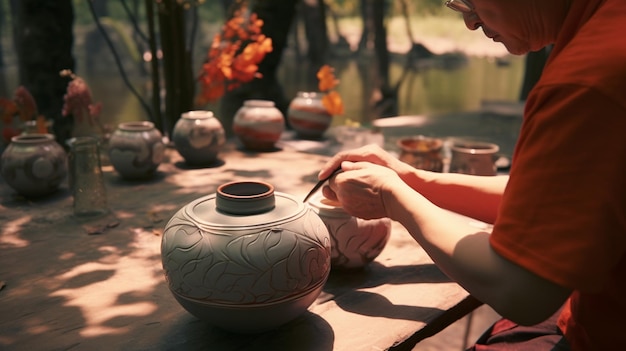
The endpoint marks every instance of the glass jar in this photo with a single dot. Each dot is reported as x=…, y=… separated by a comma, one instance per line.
x=85, y=177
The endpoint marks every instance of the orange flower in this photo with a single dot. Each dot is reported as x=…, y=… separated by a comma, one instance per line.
x=333, y=103
x=327, y=82
x=234, y=57
x=8, y=109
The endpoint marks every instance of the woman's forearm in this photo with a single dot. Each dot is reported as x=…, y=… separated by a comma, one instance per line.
x=472, y=196
x=464, y=253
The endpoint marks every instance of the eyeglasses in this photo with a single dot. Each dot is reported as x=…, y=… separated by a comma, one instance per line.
x=460, y=6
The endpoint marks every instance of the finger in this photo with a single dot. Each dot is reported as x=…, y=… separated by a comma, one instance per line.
x=329, y=168
x=329, y=193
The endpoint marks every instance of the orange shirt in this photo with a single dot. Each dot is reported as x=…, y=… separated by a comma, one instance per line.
x=563, y=214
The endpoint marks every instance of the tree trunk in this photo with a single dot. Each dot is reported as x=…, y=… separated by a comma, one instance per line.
x=314, y=14
x=177, y=70
x=44, y=40
x=380, y=40
x=366, y=7
x=3, y=85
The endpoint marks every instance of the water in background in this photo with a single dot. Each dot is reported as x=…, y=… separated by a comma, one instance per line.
x=432, y=88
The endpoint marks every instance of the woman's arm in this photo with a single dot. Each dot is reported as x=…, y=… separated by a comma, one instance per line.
x=472, y=196
x=461, y=251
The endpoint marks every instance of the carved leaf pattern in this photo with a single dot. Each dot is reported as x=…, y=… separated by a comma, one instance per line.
x=248, y=267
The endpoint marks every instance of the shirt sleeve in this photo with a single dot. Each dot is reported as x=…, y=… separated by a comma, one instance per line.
x=563, y=211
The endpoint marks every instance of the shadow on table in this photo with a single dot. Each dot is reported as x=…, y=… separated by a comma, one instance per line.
x=343, y=285
x=308, y=332
x=376, y=274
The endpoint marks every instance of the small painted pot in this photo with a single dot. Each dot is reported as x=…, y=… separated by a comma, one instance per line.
x=422, y=152
x=198, y=137
x=34, y=165
x=308, y=116
x=355, y=241
x=258, y=124
x=136, y=149
x=474, y=157
x=246, y=259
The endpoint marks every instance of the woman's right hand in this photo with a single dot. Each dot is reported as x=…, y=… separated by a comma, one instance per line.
x=370, y=153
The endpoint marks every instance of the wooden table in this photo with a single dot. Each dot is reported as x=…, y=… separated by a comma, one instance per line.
x=99, y=285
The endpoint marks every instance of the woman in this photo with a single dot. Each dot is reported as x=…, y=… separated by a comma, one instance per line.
x=554, y=265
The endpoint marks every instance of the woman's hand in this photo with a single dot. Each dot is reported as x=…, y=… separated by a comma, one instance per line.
x=370, y=153
x=361, y=187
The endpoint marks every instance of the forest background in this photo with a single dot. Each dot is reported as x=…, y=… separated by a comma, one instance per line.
x=111, y=43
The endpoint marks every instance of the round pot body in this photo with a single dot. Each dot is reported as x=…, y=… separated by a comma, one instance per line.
x=246, y=258
x=198, y=137
x=355, y=242
x=258, y=124
x=34, y=165
x=474, y=157
x=422, y=152
x=308, y=116
x=136, y=149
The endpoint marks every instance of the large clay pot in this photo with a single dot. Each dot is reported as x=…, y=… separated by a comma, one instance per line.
x=34, y=165
x=246, y=258
x=308, y=116
x=198, y=137
x=355, y=241
x=136, y=149
x=258, y=124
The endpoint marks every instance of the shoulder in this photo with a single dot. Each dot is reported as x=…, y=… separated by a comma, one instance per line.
x=595, y=57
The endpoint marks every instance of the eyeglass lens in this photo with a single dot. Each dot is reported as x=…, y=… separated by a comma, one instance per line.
x=459, y=5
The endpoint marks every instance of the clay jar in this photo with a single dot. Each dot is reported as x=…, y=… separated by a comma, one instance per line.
x=422, y=152
x=34, y=165
x=246, y=258
x=308, y=116
x=136, y=149
x=198, y=137
x=474, y=157
x=258, y=124
x=355, y=241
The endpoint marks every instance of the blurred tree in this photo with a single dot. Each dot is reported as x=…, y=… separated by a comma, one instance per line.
x=278, y=16
x=316, y=31
x=43, y=41
x=3, y=87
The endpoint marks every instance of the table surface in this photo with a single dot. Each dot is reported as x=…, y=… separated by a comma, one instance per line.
x=99, y=285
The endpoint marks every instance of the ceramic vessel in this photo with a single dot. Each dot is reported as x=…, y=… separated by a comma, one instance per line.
x=246, y=258
x=198, y=137
x=86, y=180
x=34, y=165
x=474, y=157
x=258, y=124
x=308, y=116
x=422, y=152
x=136, y=149
x=355, y=242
